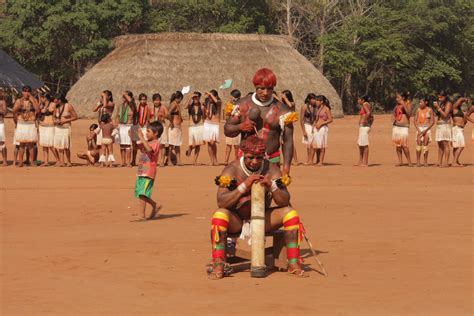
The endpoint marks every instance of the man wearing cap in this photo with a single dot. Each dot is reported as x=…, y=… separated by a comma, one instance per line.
x=260, y=113
x=234, y=204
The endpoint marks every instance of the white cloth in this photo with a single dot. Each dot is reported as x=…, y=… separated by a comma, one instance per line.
x=15, y=142
x=443, y=132
x=400, y=136
x=428, y=134
x=210, y=132
x=99, y=137
x=175, y=136
x=26, y=132
x=195, y=135
x=363, y=136
x=2, y=132
x=46, y=136
x=308, y=128
x=123, y=137
x=164, y=136
x=62, y=137
x=458, y=137
x=233, y=141
x=321, y=137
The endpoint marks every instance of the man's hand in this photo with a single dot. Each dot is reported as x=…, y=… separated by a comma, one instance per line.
x=266, y=181
x=252, y=179
x=247, y=125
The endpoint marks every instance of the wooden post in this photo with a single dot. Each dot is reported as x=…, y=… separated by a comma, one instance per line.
x=257, y=268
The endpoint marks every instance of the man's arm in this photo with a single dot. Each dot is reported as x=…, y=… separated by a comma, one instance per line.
x=231, y=126
x=281, y=196
x=288, y=147
x=227, y=198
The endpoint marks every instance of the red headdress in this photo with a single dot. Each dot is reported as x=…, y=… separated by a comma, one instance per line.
x=264, y=77
x=253, y=145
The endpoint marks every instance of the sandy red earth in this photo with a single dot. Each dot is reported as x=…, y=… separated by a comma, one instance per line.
x=395, y=241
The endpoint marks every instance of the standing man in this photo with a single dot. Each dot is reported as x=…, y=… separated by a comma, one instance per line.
x=260, y=113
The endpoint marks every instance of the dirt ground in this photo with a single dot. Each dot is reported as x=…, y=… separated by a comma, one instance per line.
x=394, y=240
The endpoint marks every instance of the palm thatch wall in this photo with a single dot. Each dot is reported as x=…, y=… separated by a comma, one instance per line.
x=166, y=62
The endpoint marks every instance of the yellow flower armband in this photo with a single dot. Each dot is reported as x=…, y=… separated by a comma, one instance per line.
x=229, y=108
x=283, y=181
x=226, y=182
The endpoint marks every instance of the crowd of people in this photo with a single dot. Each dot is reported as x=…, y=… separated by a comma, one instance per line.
x=44, y=121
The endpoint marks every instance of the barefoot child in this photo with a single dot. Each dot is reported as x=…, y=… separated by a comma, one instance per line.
x=92, y=153
x=107, y=149
x=150, y=148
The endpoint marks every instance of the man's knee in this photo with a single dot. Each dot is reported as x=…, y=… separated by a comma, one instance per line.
x=291, y=220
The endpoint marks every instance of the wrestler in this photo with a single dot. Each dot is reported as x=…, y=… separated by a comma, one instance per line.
x=107, y=149
x=287, y=98
x=459, y=121
x=123, y=121
x=105, y=105
x=92, y=154
x=230, y=142
x=175, y=134
x=321, y=123
x=260, y=112
x=443, y=111
x=141, y=119
x=63, y=116
x=161, y=114
x=46, y=127
x=234, y=199
x=401, y=125
x=366, y=119
x=211, y=130
x=25, y=110
x=3, y=113
x=196, y=111
x=424, y=121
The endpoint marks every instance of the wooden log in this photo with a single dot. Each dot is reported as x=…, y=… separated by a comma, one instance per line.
x=257, y=267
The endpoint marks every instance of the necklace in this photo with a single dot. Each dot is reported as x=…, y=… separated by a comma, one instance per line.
x=259, y=103
x=249, y=172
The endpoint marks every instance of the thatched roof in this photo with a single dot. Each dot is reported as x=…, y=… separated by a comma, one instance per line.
x=166, y=62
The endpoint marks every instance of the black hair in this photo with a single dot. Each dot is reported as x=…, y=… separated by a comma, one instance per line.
x=326, y=102
x=320, y=97
x=197, y=93
x=365, y=98
x=426, y=99
x=214, y=93
x=176, y=95
x=47, y=96
x=309, y=97
x=105, y=118
x=250, y=93
x=109, y=95
x=288, y=95
x=156, y=127
x=156, y=96
x=93, y=127
x=26, y=89
x=61, y=97
x=236, y=93
x=141, y=95
x=129, y=93
x=405, y=95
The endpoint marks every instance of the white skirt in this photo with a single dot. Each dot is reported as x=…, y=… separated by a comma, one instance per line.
x=46, y=136
x=62, y=136
x=400, y=136
x=308, y=128
x=175, y=136
x=428, y=134
x=458, y=137
x=26, y=132
x=164, y=136
x=195, y=135
x=123, y=137
x=233, y=141
x=443, y=132
x=15, y=142
x=2, y=132
x=210, y=132
x=363, y=136
x=321, y=137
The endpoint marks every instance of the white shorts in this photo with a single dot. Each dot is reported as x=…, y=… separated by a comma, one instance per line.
x=363, y=136
x=458, y=137
x=134, y=135
x=175, y=136
x=62, y=137
x=164, y=136
x=210, y=132
x=443, y=132
x=308, y=128
x=195, y=135
x=233, y=141
x=123, y=137
x=400, y=136
x=46, y=136
x=428, y=134
x=321, y=137
x=26, y=132
x=2, y=132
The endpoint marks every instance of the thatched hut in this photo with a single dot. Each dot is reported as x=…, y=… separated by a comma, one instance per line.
x=166, y=62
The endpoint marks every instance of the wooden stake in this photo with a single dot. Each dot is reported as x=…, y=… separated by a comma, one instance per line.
x=257, y=268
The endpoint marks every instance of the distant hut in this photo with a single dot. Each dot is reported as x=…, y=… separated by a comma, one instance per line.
x=166, y=62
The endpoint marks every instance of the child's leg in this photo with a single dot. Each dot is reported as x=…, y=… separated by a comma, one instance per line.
x=419, y=150
x=425, y=150
x=143, y=201
x=228, y=149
